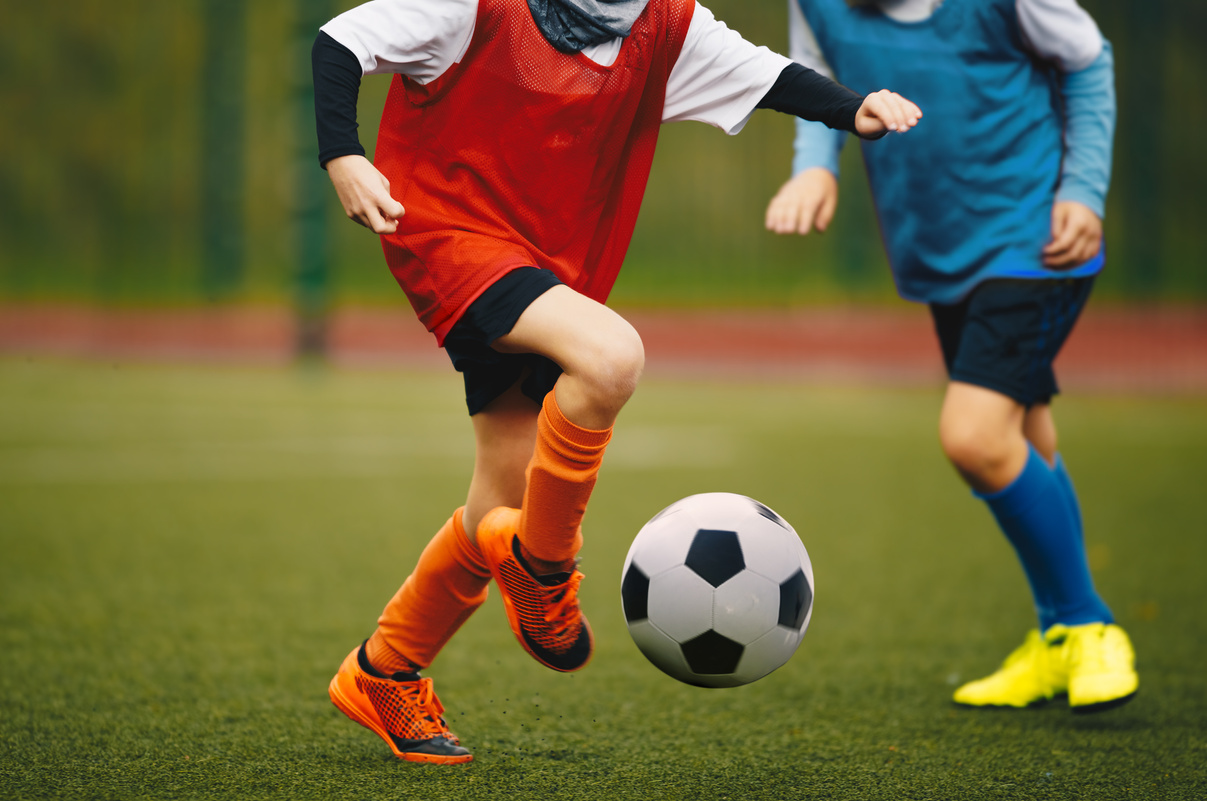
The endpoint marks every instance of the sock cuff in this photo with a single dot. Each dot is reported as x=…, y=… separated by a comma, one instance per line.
x=585, y=440
x=377, y=658
x=1019, y=480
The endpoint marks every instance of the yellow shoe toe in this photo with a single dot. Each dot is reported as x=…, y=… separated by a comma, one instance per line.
x=1033, y=673
x=1102, y=672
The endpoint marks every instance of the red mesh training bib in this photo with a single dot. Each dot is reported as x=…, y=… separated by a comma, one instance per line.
x=522, y=155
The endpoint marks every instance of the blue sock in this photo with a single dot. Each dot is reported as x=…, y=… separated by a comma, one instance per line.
x=1074, y=506
x=1040, y=516
x=1070, y=494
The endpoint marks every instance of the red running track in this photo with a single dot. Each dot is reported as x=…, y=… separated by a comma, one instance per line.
x=1126, y=349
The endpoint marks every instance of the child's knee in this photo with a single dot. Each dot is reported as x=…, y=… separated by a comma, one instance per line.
x=973, y=449
x=618, y=364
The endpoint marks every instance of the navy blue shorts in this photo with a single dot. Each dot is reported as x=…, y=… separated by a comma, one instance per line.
x=1005, y=335
x=488, y=373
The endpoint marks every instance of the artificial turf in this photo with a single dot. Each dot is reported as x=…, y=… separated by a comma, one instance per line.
x=187, y=553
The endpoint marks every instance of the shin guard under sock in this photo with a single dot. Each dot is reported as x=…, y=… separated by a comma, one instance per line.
x=561, y=475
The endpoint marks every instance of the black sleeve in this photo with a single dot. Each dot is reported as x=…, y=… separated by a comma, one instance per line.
x=807, y=94
x=336, y=89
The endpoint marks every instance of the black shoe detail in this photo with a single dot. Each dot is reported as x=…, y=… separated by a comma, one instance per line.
x=567, y=662
x=549, y=580
x=362, y=659
x=578, y=654
x=435, y=746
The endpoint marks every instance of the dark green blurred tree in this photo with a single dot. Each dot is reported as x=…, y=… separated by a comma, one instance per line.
x=224, y=129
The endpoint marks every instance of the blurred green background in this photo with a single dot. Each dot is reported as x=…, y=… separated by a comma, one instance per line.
x=164, y=153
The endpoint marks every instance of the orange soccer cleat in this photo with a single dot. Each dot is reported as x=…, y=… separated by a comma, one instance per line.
x=404, y=713
x=543, y=610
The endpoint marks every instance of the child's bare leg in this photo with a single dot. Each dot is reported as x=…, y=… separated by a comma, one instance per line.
x=985, y=435
x=599, y=351
x=449, y=582
x=602, y=357
x=1007, y=454
x=981, y=432
x=531, y=551
x=1040, y=430
x=504, y=437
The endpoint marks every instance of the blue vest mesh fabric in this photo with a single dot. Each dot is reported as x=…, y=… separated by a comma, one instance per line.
x=968, y=194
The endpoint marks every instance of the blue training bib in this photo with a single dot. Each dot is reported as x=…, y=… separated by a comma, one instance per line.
x=967, y=195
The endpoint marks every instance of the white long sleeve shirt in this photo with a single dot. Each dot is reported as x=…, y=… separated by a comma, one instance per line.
x=718, y=78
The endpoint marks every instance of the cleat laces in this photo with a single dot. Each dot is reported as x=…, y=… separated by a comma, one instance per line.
x=542, y=610
x=563, y=616
x=430, y=710
x=416, y=712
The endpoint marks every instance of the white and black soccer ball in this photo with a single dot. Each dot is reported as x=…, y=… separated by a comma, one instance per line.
x=717, y=590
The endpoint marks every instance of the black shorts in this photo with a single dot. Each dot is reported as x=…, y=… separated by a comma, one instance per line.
x=488, y=373
x=1005, y=335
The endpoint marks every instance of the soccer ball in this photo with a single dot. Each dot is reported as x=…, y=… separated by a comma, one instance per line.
x=717, y=590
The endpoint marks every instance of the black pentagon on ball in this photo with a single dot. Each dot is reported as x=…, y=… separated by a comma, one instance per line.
x=635, y=594
x=796, y=596
x=715, y=556
x=712, y=654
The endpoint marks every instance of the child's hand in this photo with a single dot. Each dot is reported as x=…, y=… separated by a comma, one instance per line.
x=804, y=203
x=885, y=111
x=1076, y=235
x=365, y=193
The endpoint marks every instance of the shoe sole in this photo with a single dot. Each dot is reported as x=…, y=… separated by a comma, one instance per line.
x=1103, y=706
x=354, y=713
x=1033, y=705
x=1036, y=704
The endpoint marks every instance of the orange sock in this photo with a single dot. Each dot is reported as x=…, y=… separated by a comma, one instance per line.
x=561, y=476
x=449, y=582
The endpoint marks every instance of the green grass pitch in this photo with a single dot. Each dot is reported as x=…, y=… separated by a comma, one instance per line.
x=186, y=554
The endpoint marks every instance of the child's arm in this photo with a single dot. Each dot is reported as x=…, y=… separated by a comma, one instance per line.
x=1061, y=32
x=1089, y=106
x=363, y=191
x=808, y=200
x=720, y=78
x=814, y=145
x=811, y=96
x=383, y=36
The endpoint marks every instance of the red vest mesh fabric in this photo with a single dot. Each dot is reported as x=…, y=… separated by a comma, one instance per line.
x=521, y=155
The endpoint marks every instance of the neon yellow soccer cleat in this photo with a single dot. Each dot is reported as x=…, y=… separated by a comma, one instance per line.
x=1102, y=672
x=1035, y=672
